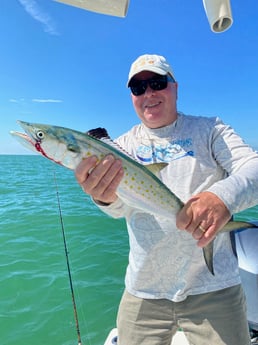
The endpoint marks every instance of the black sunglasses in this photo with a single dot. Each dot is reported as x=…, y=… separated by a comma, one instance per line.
x=157, y=83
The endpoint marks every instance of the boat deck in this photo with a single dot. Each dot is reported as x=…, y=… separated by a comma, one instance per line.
x=178, y=339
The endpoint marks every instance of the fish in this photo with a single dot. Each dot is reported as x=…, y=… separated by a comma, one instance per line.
x=141, y=186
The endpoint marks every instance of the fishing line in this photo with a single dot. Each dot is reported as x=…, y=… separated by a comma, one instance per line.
x=67, y=263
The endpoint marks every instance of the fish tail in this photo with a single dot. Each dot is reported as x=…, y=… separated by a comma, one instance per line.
x=208, y=257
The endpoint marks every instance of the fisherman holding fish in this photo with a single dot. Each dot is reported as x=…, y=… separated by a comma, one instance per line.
x=210, y=168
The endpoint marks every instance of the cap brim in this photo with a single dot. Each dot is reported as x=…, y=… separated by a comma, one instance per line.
x=148, y=69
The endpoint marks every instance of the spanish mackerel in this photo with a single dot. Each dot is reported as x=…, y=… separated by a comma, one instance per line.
x=140, y=186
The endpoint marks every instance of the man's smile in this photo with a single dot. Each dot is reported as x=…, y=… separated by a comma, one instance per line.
x=152, y=105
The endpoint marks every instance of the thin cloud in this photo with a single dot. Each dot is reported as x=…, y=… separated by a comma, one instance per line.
x=15, y=100
x=40, y=100
x=35, y=100
x=34, y=10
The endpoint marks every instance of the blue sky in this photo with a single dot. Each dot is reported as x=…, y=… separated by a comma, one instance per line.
x=65, y=66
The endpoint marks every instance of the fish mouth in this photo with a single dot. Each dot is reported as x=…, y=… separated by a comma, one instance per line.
x=27, y=129
x=23, y=136
x=30, y=132
x=25, y=139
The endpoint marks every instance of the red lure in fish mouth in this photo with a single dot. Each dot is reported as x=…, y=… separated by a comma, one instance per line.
x=39, y=135
x=39, y=149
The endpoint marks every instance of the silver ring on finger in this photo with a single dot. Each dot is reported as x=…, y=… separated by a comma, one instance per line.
x=202, y=229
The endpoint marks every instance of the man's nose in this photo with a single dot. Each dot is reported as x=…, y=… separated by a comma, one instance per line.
x=149, y=91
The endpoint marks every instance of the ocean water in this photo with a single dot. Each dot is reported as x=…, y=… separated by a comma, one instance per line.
x=36, y=304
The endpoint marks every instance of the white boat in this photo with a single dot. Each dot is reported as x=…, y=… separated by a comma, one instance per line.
x=246, y=248
x=178, y=339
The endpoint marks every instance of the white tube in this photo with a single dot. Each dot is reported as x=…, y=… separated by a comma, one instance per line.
x=116, y=8
x=219, y=14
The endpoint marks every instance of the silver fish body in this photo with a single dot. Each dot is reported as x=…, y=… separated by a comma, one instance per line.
x=140, y=186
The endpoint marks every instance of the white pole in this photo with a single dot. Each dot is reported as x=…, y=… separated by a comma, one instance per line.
x=116, y=8
x=219, y=14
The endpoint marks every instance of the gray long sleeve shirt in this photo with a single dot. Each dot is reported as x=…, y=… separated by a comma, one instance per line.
x=203, y=154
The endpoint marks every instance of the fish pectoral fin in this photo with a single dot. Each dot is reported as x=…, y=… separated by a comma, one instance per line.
x=208, y=256
x=73, y=148
x=156, y=168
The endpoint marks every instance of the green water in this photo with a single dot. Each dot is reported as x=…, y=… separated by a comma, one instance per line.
x=36, y=305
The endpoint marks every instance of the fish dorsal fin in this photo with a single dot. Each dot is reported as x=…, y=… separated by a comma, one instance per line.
x=156, y=168
x=98, y=133
x=102, y=134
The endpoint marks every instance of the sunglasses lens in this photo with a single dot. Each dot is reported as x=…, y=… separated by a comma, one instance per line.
x=138, y=87
x=158, y=84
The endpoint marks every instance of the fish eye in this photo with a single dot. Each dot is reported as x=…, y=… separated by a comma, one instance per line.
x=40, y=135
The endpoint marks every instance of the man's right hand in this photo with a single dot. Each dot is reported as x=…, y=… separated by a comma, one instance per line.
x=100, y=179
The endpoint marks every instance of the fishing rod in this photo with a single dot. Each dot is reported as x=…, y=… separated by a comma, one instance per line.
x=68, y=264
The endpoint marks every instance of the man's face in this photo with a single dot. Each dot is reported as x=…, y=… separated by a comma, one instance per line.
x=156, y=108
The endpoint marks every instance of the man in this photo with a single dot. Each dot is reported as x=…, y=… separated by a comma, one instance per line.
x=215, y=173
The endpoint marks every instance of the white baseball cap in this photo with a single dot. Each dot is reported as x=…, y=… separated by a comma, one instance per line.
x=153, y=63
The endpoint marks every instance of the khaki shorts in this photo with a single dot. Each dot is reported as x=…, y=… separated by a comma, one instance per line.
x=215, y=318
